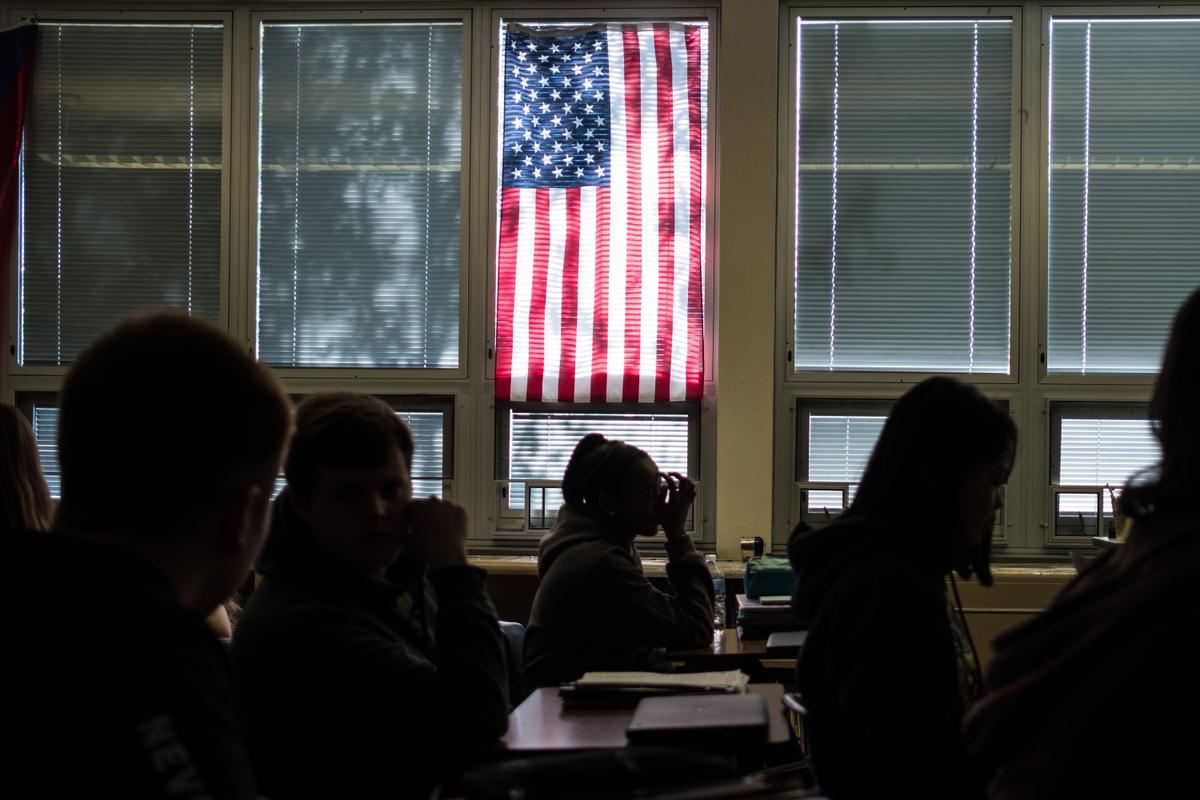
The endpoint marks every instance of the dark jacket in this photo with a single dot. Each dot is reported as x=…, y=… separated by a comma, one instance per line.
x=595, y=609
x=108, y=686
x=363, y=687
x=1098, y=696
x=880, y=671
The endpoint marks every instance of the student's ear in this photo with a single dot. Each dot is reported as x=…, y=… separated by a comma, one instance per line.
x=244, y=520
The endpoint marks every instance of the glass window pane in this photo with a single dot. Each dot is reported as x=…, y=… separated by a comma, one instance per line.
x=121, y=181
x=45, y=432
x=1124, y=189
x=1098, y=451
x=903, y=195
x=541, y=443
x=360, y=161
x=839, y=447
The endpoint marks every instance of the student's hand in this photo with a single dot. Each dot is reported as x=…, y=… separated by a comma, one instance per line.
x=437, y=532
x=674, y=500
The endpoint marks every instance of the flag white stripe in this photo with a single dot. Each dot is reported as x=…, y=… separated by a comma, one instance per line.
x=683, y=189
x=619, y=193
x=586, y=293
x=551, y=361
x=523, y=292
x=648, y=357
x=703, y=175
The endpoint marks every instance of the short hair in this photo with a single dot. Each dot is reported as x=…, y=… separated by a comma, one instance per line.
x=936, y=431
x=1175, y=420
x=597, y=466
x=160, y=416
x=24, y=497
x=342, y=430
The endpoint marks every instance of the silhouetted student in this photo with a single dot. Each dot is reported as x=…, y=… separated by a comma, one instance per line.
x=594, y=609
x=25, y=503
x=887, y=670
x=1098, y=696
x=370, y=655
x=169, y=438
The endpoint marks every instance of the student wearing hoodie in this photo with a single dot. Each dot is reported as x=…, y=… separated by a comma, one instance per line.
x=888, y=670
x=1112, y=663
x=370, y=657
x=595, y=609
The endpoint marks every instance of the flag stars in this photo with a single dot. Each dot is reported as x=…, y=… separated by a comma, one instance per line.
x=577, y=122
x=528, y=135
x=516, y=173
x=528, y=161
x=537, y=172
x=518, y=122
x=598, y=96
x=556, y=121
x=576, y=70
x=566, y=80
x=555, y=95
x=566, y=108
x=588, y=134
x=516, y=148
x=587, y=58
x=554, y=68
x=558, y=172
x=568, y=160
x=598, y=71
x=520, y=56
x=545, y=133
x=558, y=147
x=543, y=59
x=588, y=109
x=579, y=172
x=537, y=147
x=587, y=84
x=544, y=108
x=566, y=134
x=546, y=160
x=577, y=47
x=588, y=158
x=531, y=46
x=553, y=48
x=599, y=172
x=543, y=81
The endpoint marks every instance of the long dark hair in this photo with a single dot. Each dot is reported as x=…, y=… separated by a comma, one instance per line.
x=1175, y=420
x=938, y=430
x=597, y=466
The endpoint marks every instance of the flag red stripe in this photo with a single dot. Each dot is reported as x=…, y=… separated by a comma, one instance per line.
x=633, y=245
x=600, y=304
x=537, y=301
x=506, y=279
x=570, y=299
x=666, y=213
x=694, y=380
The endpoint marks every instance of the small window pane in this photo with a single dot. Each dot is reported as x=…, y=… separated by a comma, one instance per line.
x=45, y=432
x=839, y=447
x=1096, y=451
x=360, y=163
x=541, y=443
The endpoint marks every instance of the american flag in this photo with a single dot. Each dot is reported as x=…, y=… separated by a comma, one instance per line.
x=600, y=253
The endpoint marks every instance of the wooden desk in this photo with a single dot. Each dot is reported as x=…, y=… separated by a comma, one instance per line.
x=729, y=652
x=541, y=723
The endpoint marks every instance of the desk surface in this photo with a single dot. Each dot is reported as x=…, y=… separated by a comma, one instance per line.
x=541, y=722
x=729, y=652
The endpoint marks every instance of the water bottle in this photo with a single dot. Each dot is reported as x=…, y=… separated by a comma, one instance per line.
x=718, y=579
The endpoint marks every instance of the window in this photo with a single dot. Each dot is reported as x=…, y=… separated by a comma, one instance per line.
x=360, y=169
x=903, y=195
x=540, y=442
x=428, y=421
x=1124, y=109
x=1096, y=450
x=602, y=246
x=121, y=181
x=835, y=444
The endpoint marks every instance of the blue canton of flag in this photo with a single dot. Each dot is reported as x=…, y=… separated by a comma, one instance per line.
x=556, y=110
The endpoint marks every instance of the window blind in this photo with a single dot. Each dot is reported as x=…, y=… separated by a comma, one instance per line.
x=120, y=181
x=360, y=160
x=541, y=443
x=1124, y=188
x=839, y=447
x=1099, y=451
x=45, y=433
x=903, y=195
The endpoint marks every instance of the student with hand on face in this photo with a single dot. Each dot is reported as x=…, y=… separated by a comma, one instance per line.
x=370, y=655
x=594, y=608
x=888, y=668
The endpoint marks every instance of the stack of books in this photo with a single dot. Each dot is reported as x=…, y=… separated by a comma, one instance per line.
x=758, y=618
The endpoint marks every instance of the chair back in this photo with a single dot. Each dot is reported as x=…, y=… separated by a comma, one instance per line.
x=514, y=636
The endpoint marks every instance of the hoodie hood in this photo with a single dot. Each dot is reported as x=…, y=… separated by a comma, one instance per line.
x=573, y=528
x=823, y=556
